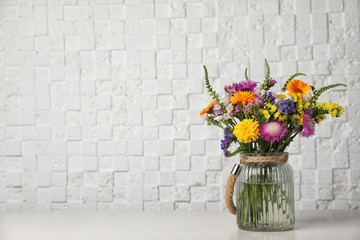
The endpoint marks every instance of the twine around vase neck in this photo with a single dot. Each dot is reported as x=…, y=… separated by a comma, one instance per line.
x=264, y=159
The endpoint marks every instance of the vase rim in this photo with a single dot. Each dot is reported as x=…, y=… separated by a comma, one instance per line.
x=264, y=154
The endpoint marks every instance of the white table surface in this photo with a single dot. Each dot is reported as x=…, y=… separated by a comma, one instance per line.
x=327, y=225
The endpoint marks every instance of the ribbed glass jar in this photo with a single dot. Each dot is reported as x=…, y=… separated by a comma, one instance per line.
x=265, y=195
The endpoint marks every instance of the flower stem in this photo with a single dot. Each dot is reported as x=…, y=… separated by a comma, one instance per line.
x=270, y=146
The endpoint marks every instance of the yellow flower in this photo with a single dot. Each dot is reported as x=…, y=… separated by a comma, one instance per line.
x=334, y=109
x=342, y=110
x=265, y=113
x=270, y=107
x=294, y=97
x=244, y=96
x=299, y=117
x=307, y=106
x=297, y=86
x=277, y=114
x=282, y=118
x=247, y=131
x=205, y=110
x=300, y=109
x=273, y=108
x=320, y=118
x=297, y=98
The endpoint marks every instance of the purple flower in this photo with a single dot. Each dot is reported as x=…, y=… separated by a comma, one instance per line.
x=272, y=98
x=271, y=82
x=285, y=106
x=247, y=86
x=241, y=86
x=309, y=124
x=313, y=89
x=225, y=143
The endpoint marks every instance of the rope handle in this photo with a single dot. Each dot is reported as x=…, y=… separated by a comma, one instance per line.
x=229, y=189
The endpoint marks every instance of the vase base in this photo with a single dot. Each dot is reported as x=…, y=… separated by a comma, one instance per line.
x=267, y=228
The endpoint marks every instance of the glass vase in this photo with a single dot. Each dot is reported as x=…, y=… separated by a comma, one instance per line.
x=265, y=195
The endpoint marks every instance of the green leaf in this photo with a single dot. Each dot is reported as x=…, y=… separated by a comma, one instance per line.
x=267, y=71
x=267, y=76
x=246, y=76
x=265, y=85
x=241, y=148
x=212, y=93
x=323, y=89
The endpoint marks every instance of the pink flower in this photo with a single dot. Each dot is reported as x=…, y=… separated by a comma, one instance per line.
x=308, y=125
x=247, y=86
x=241, y=86
x=247, y=107
x=258, y=99
x=237, y=108
x=273, y=131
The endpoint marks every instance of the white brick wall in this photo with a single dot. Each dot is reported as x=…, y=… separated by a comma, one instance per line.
x=100, y=99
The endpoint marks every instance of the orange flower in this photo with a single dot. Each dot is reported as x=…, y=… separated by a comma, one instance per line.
x=205, y=110
x=297, y=86
x=244, y=96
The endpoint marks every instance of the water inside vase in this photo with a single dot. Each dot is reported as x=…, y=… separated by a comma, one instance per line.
x=265, y=206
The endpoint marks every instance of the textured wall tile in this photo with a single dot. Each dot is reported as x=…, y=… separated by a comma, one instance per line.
x=100, y=101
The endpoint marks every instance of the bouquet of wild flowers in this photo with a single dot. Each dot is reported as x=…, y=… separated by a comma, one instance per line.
x=263, y=123
x=260, y=120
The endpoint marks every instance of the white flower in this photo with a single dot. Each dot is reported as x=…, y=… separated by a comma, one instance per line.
x=308, y=96
x=217, y=107
x=262, y=92
x=218, y=118
x=224, y=100
x=226, y=116
x=229, y=108
x=258, y=89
